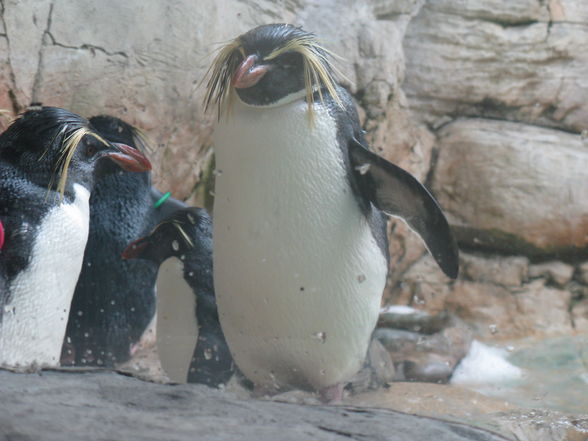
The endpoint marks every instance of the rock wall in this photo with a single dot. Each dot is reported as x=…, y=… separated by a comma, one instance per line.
x=486, y=101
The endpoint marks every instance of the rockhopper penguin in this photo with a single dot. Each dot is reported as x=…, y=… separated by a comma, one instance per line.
x=49, y=158
x=114, y=299
x=300, y=253
x=190, y=342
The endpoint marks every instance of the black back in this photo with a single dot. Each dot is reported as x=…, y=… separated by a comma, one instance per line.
x=114, y=300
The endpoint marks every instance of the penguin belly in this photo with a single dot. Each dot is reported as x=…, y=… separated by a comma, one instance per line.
x=177, y=327
x=35, y=318
x=297, y=272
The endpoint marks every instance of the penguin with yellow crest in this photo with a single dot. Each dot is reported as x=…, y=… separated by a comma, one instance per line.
x=300, y=245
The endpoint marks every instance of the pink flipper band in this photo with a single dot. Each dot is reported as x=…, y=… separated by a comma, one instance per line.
x=1, y=235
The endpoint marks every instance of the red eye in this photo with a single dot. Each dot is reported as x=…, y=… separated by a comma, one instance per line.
x=91, y=150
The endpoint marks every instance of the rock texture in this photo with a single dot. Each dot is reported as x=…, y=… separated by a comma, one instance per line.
x=485, y=101
x=513, y=187
x=106, y=405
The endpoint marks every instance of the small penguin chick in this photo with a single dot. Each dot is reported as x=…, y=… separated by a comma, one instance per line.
x=187, y=235
x=49, y=161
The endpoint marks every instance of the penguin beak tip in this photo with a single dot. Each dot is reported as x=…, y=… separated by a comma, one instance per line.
x=248, y=74
x=129, y=159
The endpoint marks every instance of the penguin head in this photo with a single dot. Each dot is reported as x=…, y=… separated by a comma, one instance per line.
x=57, y=148
x=176, y=236
x=271, y=65
x=116, y=130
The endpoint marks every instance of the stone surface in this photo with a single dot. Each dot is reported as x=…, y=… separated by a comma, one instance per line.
x=492, y=310
x=426, y=357
x=524, y=189
x=106, y=405
x=556, y=272
x=499, y=270
x=495, y=59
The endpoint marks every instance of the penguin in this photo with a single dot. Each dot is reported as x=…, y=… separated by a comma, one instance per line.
x=191, y=346
x=49, y=160
x=301, y=252
x=114, y=299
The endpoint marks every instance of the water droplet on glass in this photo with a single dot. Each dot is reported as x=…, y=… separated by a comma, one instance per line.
x=112, y=302
x=208, y=353
x=191, y=274
x=321, y=336
x=80, y=313
x=217, y=172
x=363, y=169
x=86, y=335
x=323, y=371
x=493, y=329
x=183, y=257
x=584, y=135
x=361, y=278
x=132, y=309
x=175, y=245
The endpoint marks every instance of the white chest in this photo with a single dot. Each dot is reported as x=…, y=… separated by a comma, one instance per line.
x=298, y=274
x=34, y=321
x=177, y=327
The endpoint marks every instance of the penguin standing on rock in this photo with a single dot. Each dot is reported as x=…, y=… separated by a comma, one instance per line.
x=114, y=300
x=301, y=253
x=49, y=159
x=191, y=346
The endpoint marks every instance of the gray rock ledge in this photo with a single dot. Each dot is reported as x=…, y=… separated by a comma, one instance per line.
x=105, y=405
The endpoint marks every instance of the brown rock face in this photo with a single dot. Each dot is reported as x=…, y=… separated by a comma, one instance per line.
x=515, y=188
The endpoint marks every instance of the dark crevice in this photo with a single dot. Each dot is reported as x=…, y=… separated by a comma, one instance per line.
x=86, y=47
x=39, y=73
x=340, y=432
x=16, y=107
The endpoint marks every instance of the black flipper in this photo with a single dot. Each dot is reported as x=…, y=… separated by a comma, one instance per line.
x=397, y=193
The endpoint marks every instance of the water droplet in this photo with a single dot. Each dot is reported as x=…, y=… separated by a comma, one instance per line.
x=132, y=309
x=86, y=335
x=113, y=302
x=175, y=245
x=493, y=329
x=80, y=313
x=321, y=336
x=101, y=309
x=363, y=169
x=323, y=371
x=191, y=219
x=208, y=353
x=361, y=278
x=191, y=274
x=183, y=257
x=217, y=172
x=89, y=264
x=584, y=135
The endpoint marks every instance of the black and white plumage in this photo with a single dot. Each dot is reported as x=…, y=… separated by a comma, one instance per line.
x=49, y=159
x=114, y=300
x=190, y=342
x=300, y=242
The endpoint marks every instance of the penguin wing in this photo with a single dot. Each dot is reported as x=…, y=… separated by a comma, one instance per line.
x=397, y=193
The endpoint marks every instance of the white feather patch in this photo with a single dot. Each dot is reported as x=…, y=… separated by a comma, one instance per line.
x=298, y=274
x=34, y=321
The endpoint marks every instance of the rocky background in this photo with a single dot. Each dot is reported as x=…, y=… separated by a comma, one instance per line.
x=485, y=101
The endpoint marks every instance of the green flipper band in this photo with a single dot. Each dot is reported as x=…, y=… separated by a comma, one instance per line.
x=162, y=199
